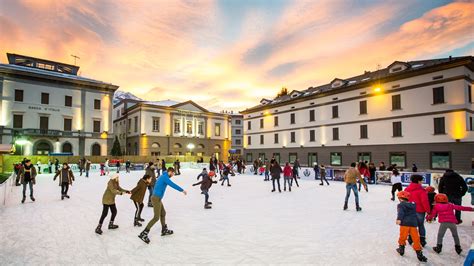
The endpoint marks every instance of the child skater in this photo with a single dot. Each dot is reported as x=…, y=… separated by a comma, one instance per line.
x=108, y=202
x=396, y=180
x=206, y=184
x=431, y=196
x=406, y=218
x=287, y=176
x=225, y=176
x=138, y=194
x=65, y=179
x=447, y=220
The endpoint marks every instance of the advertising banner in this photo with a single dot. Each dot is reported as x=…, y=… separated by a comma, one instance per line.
x=383, y=177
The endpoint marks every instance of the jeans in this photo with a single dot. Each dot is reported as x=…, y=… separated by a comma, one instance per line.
x=206, y=196
x=323, y=178
x=296, y=180
x=395, y=187
x=352, y=187
x=273, y=183
x=24, y=188
x=224, y=178
x=267, y=175
x=64, y=188
x=105, y=211
x=316, y=175
x=287, y=179
x=456, y=201
x=420, y=216
x=87, y=173
x=159, y=213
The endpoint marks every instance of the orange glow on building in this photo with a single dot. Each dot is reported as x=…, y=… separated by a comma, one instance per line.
x=457, y=127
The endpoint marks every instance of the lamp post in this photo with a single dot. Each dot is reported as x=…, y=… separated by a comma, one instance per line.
x=190, y=147
x=21, y=142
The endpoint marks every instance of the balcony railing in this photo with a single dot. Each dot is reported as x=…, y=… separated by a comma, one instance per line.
x=49, y=133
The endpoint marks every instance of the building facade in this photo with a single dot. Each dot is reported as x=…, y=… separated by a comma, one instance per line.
x=418, y=112
x=237, y=129
x=170, y=128
x=47, y=108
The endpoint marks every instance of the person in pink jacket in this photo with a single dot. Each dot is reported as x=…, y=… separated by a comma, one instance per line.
x=419, y=196
x=447, y=220
x=287, y=176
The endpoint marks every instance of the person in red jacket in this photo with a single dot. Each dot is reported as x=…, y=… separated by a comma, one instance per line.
x=419, y=196
x=287, y=176
x=364, y=171
x=447, y=220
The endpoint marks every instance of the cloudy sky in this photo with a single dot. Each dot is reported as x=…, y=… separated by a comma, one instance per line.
x=229, y=54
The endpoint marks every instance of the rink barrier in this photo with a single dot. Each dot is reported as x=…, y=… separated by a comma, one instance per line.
x=6, y=188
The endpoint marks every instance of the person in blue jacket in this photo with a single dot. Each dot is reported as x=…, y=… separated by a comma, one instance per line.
x=158, y=209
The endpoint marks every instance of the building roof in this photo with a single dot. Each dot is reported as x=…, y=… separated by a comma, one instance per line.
x=166, y=103
x=362, y=80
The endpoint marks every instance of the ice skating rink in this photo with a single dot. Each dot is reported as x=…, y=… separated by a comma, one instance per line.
x=247, y=225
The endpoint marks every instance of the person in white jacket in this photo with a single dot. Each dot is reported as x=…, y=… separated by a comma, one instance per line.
x=396, y=180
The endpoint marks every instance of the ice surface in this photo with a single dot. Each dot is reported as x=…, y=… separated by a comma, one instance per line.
x=248, y=225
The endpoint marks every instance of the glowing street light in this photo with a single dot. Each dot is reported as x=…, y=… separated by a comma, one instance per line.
x=190, y=147
x=378, y=89
x=21, y=143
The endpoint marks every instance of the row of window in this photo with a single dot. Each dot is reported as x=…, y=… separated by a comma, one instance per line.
x=19, y=97
x=439, y=160
x=177, y=126
x=44, y=123
x=438, y=98
x=439, y=129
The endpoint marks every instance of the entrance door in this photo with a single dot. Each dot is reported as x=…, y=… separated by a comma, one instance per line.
x=44, y=121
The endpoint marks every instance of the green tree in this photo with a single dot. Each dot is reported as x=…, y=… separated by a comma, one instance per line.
x=116, y=151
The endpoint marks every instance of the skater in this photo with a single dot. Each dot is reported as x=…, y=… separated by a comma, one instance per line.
x=323, y=175
x=407, y=219
x=454, y=186
x=158, y=167
x=163, y=166
x=414, y=168
x=382, y=166
x=38, y=164
x=255, y=167
x=106, y=167
x=295, y=173
x=447, y=220
x=102, y=169
x=127, y=166
x=225, y=176
x=396, y=180
x=316, y=171
x=117, y=164
x=287, y=176
x=364, y=171
x=350, y=177
x=50, y=166
x=56, y=165
x=206, y=184
x=158, y=209
x=66, y=177
x=177, y=166
x=275, y=172
x=372, y=170
x=87, y=167
x=150, y=170
x=431, y=196
x=419, y=196
x=108, y=202
x=267, y=170
x=138, y=193
x=27, y=176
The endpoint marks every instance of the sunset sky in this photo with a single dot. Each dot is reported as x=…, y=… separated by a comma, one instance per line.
x=229, y=54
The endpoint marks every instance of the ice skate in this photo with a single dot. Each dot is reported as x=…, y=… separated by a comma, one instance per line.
x=98, y=230
x=345, y=207
x=23, y=200
x=210, y=203
x=423, y=241
x=229, y=185
x=401, y=250
x=165, y=231
x=67, y=196
x=137, y=223
x=144, y=236
x=141, y=219
x=358, y=208
x=438, y=248
x=458, y=249
x=62, y=197
x=32, y=198
x=419, y=255
x=207, y=206
x=112, y=225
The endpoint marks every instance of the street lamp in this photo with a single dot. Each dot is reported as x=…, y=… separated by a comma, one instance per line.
x=190, y=147
x=21, y=142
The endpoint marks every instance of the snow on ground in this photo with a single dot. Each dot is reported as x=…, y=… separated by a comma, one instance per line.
x=248, y=225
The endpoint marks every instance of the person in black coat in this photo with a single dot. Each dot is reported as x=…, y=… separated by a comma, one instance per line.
x=454, y=186
x=275, y=171
x=206, y=184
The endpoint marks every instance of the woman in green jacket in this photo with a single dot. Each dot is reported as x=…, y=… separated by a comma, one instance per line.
x=108, y=201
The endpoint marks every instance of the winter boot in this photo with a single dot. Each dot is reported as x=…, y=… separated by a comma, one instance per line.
x=419, y=255
x=229, y=185
x=62, y=197
x=458, y=249
x=358, y=208
x=67, y=196
x=401, y=250
x=345, y=206
x=423, y=241
x=98, y=230
x=210, y=203
x=112, y=225
x=410, y=241
x=144, y=236
x=165, y=231
x=23, y=200
x=438, y=248
x=32, y=198
x=207, y=206
x=137, y=223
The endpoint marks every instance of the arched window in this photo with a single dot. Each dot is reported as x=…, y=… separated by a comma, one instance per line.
x=95, y=151
x=177, y=146
x=155, y=145
x=67, y=147
x=200, y=146
x=217, y=147
x=43, y=148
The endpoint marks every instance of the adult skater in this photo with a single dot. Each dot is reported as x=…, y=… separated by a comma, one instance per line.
x=177, y=166
x=50, y=166
x=350, y=177
x=27, y=176
x=127, y=166
x=150, y=170
x=447, y=220
x=206, y=184
x=117, y=164
x=406, y=218
x=267, y=170
x=454, y=186
x=38, y=164
x=65, y=179
x=163, y=166
x=158, y=209
x=225, y=175
x=106, y=167
x=158, y=167
x=287, y=176
x=316, y=171
x=295, y=173
x=138, y=194
x=323, y=176
x=56, y=165
x=419, y=196
x=297, y=166
x=364, y=171
x=88, y=167
x=275, y=172
x=396, y=180
x=108, y=202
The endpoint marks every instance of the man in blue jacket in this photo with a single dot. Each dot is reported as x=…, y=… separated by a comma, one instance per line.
x=158, y=209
